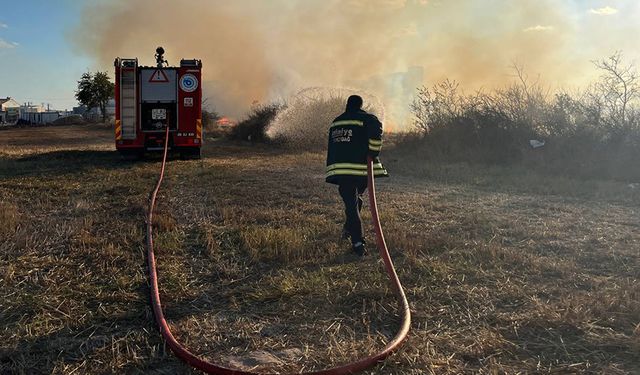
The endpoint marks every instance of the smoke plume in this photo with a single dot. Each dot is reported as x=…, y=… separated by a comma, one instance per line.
x=257, y=51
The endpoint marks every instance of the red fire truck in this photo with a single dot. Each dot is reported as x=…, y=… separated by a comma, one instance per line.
x=149, y=99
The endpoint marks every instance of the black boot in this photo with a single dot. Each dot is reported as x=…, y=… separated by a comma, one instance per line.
x=360, y=249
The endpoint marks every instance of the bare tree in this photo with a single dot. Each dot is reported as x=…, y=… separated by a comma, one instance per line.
x=436, y=106
x=525, y=100
x=618, y=87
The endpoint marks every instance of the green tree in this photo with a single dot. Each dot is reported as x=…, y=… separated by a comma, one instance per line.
x=95, y=90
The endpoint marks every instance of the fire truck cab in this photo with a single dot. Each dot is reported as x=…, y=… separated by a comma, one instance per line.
x=150, y=99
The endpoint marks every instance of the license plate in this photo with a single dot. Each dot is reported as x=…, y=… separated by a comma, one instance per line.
x=158, y=114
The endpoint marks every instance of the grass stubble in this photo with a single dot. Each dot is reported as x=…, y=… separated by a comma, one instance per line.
x=505, y=272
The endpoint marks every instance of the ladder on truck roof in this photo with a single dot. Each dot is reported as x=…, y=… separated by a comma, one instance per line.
x=128, y=104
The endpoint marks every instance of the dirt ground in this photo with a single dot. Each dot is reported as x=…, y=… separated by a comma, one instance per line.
x=506, y=271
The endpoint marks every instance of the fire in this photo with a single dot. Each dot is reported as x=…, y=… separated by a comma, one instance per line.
x=389, y=127
x=225, y=122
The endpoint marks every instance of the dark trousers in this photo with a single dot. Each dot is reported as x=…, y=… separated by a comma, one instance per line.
x=351, y=196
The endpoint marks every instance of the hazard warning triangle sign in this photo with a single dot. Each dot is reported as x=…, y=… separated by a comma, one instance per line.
x=158, y=76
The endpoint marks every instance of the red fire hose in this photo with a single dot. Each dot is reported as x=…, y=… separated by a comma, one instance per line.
x=212, y=368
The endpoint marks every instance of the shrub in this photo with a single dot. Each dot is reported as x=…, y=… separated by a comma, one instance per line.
x=209, y=118
x=593, y=134
x=253, y=128
x=478, y=128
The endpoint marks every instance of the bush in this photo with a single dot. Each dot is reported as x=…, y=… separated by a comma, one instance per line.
x=479, y=128
x=211, y=126
x=591, y=135
x=209, y=118
x=254, y=127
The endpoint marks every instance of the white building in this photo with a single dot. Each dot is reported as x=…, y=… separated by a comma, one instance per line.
x=9, y=110
x=94, y=114
x=31, y=108
x=39, y=114
x=45, y=117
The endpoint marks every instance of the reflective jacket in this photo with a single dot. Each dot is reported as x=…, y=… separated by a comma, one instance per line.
x=353, y=136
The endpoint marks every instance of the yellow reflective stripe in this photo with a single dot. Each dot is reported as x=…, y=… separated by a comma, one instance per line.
x=350, y=172
x=346, y=165
x=375, y=142
x=352, y=166
x=348, y=122
x=375, y=148
x=353, y=172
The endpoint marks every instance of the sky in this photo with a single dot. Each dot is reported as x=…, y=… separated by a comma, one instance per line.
x=38, y=64
x=259, y=50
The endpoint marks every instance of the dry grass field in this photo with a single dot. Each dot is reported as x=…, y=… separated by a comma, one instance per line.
x=507, y=272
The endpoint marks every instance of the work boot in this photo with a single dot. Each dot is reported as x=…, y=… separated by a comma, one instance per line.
x=360, y=249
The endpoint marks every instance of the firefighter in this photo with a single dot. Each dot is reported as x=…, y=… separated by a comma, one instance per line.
x=353, y=136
